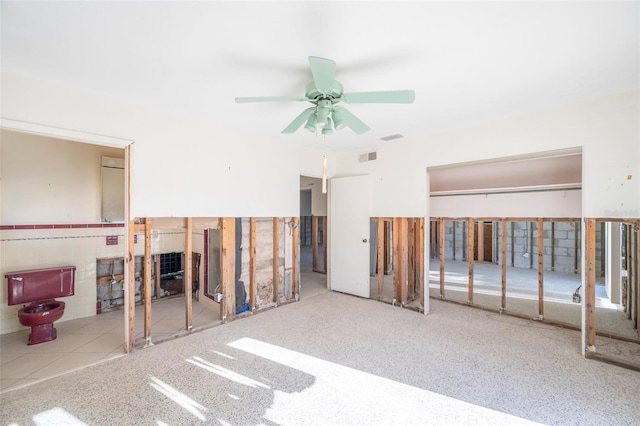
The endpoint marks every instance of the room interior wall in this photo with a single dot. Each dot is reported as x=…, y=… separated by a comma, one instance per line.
x=607, y=129
x=184, y=159
x=42, y=174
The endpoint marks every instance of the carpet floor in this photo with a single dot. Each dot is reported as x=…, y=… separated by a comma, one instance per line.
x=335, y=359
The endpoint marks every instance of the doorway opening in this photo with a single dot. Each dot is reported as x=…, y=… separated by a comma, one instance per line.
x=313, y=237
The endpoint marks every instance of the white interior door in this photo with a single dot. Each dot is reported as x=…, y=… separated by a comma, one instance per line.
x=349, y=235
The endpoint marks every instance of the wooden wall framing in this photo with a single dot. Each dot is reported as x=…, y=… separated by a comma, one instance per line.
x=590, y=266
x=401, y=251
x=227, y=254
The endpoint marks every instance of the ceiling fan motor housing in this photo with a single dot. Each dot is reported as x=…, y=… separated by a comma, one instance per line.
x=315, y=95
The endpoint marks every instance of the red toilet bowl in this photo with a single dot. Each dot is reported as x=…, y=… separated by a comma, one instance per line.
x=40, y=317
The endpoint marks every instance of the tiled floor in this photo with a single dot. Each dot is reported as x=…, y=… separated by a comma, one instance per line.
x=80, y=343
x=86, y=341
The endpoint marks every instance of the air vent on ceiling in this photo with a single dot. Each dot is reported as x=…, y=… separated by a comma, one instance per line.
x=392, y=137
x=369, y=156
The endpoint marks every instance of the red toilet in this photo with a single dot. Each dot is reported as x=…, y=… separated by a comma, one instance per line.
x=39, y=288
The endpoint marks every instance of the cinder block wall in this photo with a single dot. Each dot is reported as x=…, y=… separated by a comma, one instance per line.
x=563, y=245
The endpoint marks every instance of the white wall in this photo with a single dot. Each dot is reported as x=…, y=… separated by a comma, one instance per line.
x=607, y=129
x=47, y=180
x=180, y=167
x=524, y=204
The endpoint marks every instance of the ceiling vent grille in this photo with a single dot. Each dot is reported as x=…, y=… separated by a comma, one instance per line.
x=392, y=137
x=369, y=156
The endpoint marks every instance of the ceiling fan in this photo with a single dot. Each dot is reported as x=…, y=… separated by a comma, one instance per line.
x=325, y=93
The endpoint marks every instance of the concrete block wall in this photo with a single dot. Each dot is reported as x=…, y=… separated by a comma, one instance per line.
x=564, y=247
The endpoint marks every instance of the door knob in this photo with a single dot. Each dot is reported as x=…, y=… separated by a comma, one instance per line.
x=364, y=240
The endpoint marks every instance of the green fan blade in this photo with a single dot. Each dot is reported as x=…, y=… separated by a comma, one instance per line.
x=389, y=97
x=324, y=73
x=299, y=120
x=353, y=122
x=271, y=99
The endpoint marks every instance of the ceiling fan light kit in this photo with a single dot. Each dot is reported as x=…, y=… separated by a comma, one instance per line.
x=325, y=92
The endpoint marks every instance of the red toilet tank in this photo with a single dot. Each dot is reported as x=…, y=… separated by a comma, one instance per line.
x=40, y=284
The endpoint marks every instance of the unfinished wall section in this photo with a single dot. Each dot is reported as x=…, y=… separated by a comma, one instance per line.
x=264, y=261
x=561, y=245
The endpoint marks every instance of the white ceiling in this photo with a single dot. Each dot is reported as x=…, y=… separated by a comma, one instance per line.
x=467, y=61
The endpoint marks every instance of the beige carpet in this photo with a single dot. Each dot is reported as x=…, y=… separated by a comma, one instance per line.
x=337, y=359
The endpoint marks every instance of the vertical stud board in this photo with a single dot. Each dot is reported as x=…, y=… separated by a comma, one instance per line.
x=147, y=282
x=404, y=267
x=590, y=290
x=314, y=241
x=634, y=280
x=396, y=258
x=420, y=260
x=130, y=294
x=503, y=253
x=380, y=269
x=252, y=263
x=411, y=256
x=470, y=245
x=295, y=261
x=387, y=247
x=540, y=268
x=188, y=273
x=441, y=253
x=276, y=255
x=228, y=260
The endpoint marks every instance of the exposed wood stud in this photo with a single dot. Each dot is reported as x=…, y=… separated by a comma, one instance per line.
x=420, y=245
x=503, y=248
x=131, y=287
x=470, y=246
x=603, y=247
x=553, y=246
x=576, y=245
x=402, y=253
x=411, y=252
x=387, y=247
x=540, y=269
x=147, y=282
x=441, y=253
x=396, y=259
x=380, y=271
x=295, y=258
x=129, y=264
x=252, y=263
x=228, y=260
x=634, y=279
x=188, y=273
x=314, y=242
x=276, y=258
x=513, y=243
x=590, y=290
x=630, y=263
